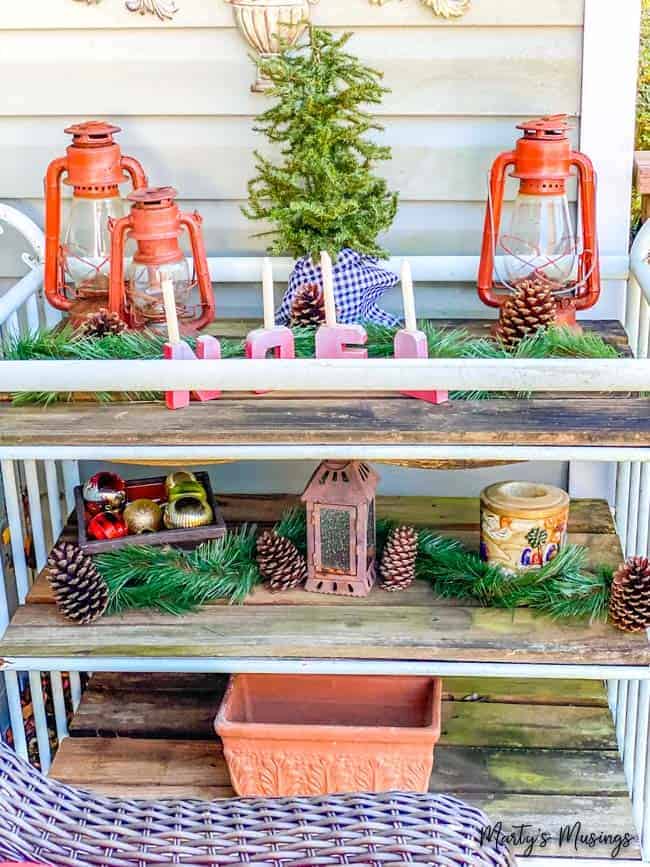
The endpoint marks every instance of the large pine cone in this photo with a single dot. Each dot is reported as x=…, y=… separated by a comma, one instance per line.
x=629, y=602
x=397, y=569
x=102, y=323
x=281, y=564
x=80, y=591
x=308, y=307
x=530, y=307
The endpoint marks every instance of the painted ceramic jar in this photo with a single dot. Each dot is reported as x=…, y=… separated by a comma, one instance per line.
x=523, y=524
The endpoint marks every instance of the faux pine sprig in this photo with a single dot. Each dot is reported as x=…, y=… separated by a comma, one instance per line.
x=178, y=582
x=562, y=588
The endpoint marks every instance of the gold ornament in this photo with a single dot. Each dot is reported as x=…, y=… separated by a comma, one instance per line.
x=187, y=489
x=143, y=516
x=187, y=512
x=177, y=478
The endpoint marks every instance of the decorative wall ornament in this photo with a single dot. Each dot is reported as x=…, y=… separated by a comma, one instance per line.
x=444, y=8
x=264, y=23
x=162, y=9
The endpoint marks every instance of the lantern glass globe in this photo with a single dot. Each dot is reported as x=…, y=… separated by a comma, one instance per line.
x=87, y=243
x=145, y=293
x=541, y=242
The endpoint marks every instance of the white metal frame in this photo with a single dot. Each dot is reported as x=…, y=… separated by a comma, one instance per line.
x=607, y=94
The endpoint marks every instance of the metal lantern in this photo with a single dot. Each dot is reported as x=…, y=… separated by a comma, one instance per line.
x=77, y=257
x=155, y=224
x=541, y=244
x=341, y=534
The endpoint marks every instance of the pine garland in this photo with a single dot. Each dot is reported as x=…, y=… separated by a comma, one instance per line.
x=323, y=194
x=67, y=344
x=178, y=582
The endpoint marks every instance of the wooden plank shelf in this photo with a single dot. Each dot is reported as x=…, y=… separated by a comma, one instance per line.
x=279, y=419
x=410, y=626
x=533, y=752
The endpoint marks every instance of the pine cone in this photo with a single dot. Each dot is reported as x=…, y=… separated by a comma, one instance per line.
x=629, y=602
x=397, y=569
x=280, y=563
x=102, y=323
x=531, y=307
x=80, y=591
x=308, y=307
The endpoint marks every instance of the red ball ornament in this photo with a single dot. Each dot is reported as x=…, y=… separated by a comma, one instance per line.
x=107, y=525
x=104, y=492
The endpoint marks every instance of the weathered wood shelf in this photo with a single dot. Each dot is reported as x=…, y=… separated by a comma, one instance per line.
x=276, y=419
x=410, y=626
x=541, y=753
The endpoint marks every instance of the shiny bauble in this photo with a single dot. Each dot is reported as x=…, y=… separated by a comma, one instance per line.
x=107, y=525
x=187, y=512
x=178, y=478
x=143, y=516
x=187, y=489
x=104, y=491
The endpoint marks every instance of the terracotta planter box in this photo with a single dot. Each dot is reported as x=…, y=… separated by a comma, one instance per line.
x=287, y=735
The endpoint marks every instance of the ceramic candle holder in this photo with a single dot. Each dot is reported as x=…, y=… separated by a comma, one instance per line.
x=414, y=344
x=341, y=341
x=206, y=348
x=523, y=524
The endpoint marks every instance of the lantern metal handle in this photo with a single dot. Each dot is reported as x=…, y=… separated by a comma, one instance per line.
x=118, y=230
x=496, y=190
x=192, y=222
x=53, y=282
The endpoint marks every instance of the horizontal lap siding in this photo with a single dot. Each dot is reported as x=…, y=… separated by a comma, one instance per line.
x=181, y=92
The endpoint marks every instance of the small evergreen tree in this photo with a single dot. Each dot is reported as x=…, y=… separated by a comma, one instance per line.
x=324, y=194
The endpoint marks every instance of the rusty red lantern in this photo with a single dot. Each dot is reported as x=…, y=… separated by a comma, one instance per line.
x=541, y=244
x=341, y=528
x=77, y=257
x=156, y=224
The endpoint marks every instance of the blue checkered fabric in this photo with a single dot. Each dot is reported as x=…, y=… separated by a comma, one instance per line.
x=359, y=282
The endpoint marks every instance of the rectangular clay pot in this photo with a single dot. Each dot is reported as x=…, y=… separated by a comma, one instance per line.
x=286, y=735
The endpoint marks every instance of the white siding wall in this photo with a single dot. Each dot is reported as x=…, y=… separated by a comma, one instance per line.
x=180, y=90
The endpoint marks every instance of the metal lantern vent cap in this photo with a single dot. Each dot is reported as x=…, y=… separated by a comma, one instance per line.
x=153, y=196
x=92, y=133
x=551, y=126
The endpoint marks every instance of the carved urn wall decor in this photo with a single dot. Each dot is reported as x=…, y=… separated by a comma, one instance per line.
x=162, y=9
x=265, y=24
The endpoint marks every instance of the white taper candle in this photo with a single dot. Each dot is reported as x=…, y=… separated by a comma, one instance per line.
x=328, y=288
x=408, y=298
x=169, y=300
x=267, y=294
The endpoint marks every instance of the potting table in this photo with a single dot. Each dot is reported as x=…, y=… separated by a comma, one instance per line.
x=553, y=755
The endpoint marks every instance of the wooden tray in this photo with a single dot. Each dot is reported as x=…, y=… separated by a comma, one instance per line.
x=154, y=489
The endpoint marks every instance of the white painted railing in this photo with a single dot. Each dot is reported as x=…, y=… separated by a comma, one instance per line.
x=49, y=483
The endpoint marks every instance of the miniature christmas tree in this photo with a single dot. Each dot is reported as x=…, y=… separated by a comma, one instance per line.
x=323, y=194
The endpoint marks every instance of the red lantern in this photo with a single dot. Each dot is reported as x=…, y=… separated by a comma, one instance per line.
x=77, y=258
x=155, y=224
x=541, y=244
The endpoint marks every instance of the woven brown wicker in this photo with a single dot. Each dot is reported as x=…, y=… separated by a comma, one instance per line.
x=53, y=824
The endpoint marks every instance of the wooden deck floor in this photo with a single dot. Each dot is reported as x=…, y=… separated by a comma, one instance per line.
x=534, y=753
x=415, y=625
